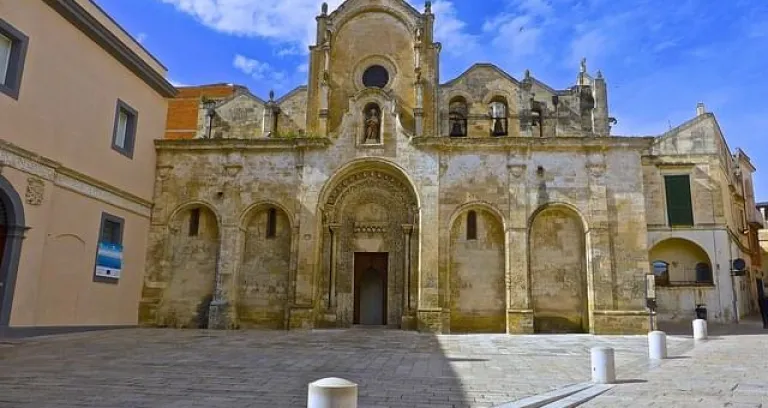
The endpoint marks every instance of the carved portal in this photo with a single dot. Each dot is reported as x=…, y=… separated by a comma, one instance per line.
x=370, y=211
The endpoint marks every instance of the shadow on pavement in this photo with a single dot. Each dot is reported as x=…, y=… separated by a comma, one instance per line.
x=750, y=325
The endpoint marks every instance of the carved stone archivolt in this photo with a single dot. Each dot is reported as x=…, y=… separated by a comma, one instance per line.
x=386, y=184
x=368, y=211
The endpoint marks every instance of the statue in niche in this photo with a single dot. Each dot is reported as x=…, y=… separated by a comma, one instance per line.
x=372, y=125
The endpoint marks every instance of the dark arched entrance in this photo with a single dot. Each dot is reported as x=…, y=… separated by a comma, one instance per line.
x=12, y=227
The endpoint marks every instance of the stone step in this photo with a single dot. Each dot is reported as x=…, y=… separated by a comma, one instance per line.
x=574, y=400
x=542, y=400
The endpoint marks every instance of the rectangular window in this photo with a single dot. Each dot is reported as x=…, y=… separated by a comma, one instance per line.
x=679, y=204
x=109, y=252
x=194, y=222
x=124, y=133
x=13, y=52
x=272, y=223
x=471, y=226
x=5, y=57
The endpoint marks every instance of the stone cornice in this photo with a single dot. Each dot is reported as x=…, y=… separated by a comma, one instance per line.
x=243, y=144
x=91, y=27
x=54, y=172
x=532, y=143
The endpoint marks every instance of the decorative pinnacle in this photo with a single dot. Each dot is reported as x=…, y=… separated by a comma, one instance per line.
x=428, y=6
x=324, y=9
x=271, y=95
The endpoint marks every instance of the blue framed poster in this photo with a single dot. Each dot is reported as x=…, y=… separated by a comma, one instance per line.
x=109, y=260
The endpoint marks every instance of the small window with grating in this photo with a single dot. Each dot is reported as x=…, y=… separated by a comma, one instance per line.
x=471, y=226
x=194, y=222
x=272, y=223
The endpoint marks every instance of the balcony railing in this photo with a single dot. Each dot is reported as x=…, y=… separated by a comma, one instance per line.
x=685, y=277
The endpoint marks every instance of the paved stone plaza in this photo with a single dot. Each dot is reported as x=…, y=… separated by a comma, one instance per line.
x=729, y=370
x=181, y=369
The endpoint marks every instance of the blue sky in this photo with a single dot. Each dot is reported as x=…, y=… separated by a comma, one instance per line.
x=659, y=57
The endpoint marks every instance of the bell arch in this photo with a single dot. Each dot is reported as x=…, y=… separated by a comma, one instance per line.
x=558, y=270
x=370, y=210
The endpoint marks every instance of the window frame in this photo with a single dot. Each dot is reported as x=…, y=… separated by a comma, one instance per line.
x=271, y=223
x=667, y=214
x=472, y=225
x=662, y=280
x=11, y=85
x=194, y=222
x=105, y=217
x=130, y=129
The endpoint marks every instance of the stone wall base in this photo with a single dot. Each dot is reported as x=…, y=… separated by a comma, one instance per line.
x=520, y=322
x=218, y=316
x=301, y=318
x=620, y=322
x=409, y=323
x=430, y=321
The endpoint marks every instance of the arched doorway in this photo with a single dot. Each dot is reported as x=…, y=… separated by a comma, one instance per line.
x=369, y=211
x=12, y=228
x=558, y=271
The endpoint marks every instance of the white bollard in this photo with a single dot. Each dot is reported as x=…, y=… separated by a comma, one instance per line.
x=657, y=345
x=700, y=329
x=603, y=365
x=332, y=393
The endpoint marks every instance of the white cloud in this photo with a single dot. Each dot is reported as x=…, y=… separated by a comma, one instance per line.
x=289, y=21
x=451, y=31
x=590, y=45
x=518, y=37
x=141, y=37
x=536, y=7
x=260, y=71
x=177, y=83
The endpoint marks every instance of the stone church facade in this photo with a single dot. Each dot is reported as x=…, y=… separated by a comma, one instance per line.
x=379, y=195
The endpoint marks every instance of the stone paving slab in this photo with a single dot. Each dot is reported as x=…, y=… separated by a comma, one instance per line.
x=171, y=369
x=728, y=370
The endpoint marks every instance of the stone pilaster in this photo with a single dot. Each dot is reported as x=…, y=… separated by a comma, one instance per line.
x=519, y=311
x=222, y=314
x=429, y=308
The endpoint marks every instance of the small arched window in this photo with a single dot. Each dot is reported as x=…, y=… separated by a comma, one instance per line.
x=498, y=110
x=457, y=116
x=271, y=223
x=661, y=273
x=471, y=226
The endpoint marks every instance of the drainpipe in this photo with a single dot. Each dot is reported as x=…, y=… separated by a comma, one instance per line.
x=714, y=244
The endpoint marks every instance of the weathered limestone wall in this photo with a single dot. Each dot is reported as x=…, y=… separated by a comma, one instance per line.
x=374, y=37
x=698, y=149
x=264, y=275
x=292, y=119
x=240, y=117
x=558, y=272
x=186, y=286
x=477, y=88
x=478, y=275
